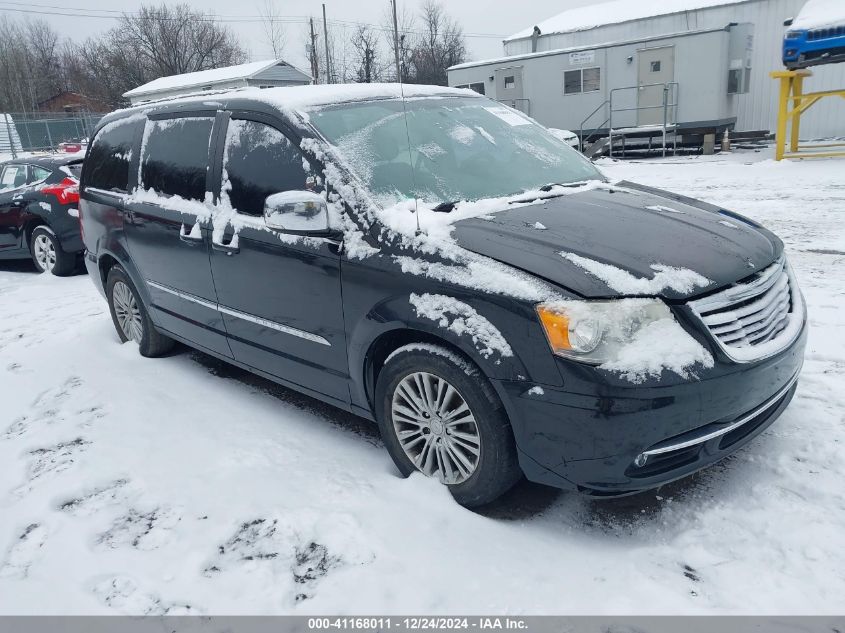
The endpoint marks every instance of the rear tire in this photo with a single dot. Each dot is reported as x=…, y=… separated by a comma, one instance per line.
x=130, y=316
x=439, y=415
x=47, y=253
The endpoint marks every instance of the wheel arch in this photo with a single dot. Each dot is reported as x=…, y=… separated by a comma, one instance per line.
x=388, y=342
x=29, y=227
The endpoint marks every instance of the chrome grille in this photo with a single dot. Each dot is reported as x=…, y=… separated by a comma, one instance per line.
x=750, y=314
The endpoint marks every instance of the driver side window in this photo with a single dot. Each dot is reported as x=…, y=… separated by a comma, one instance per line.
x=259, y=161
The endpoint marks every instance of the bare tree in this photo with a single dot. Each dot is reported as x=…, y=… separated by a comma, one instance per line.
x=274, y=29
x=407, y=40
x=440, y=45
x=171, y=40
x=31, y=64
x=155, y=42
x=365, y=46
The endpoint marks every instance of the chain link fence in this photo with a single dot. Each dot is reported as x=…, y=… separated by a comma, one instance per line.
x=44, y=131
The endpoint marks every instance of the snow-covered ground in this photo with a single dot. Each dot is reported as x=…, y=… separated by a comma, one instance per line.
x=182, y=485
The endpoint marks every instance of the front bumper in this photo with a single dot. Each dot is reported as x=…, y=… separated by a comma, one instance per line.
x=606, y=437
x=801, y=52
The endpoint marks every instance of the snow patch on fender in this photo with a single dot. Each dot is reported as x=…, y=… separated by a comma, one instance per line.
x=666, y=277
x=463, y=319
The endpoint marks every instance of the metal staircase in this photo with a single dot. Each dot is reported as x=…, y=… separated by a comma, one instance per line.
x=10, y=142
x=611, y=135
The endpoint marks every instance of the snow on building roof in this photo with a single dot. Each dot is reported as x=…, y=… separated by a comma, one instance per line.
x=214, y=76
x=582, y=47
x=818, y=14
x=595, y=15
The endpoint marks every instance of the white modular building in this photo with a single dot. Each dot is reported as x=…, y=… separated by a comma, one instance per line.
x=538, y=72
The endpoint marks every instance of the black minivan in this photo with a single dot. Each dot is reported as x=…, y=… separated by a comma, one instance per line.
x=441, y=264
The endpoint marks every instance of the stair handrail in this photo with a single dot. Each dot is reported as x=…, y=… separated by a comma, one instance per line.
x=582, y=142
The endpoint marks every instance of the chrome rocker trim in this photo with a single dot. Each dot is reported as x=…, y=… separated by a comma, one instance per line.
x=279, y=327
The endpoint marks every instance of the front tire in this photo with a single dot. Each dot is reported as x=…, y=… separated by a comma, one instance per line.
x=130, y=316
x=439, y=415
x=47, y=253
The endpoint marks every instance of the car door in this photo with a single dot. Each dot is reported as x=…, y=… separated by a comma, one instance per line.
x=13, y=179
x=166, y=227
x=280, y=295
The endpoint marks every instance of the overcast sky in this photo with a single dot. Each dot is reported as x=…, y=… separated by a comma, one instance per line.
x=485, y=22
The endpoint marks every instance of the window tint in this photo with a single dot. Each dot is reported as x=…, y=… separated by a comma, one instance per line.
x=39, y=174
x=13, y=176
x=108, y=161
x=259, y=161
x=174, y=156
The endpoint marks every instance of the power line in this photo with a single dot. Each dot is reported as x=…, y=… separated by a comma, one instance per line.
x=113, y=14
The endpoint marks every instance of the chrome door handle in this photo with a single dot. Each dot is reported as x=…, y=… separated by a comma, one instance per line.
x=229, y=249
x=187, y=237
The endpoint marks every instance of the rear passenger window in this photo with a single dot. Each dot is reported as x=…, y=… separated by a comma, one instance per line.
x=39, y=174
x=13, y=176
x=108, y=161
x=259, y=161
x=174, y=156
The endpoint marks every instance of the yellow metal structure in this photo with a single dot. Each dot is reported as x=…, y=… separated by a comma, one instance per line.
x=792, y=103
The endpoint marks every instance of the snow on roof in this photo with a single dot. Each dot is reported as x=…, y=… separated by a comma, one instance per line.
x=582, y=47
x=819, y=14
x=595, y=15
x=305, y=97
x=207, y=77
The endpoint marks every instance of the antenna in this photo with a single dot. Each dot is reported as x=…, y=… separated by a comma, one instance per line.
x=405, y=113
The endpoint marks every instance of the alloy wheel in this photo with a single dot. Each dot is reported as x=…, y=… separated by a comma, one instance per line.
x=127, y=312
x=435, y=427
x=45, y=252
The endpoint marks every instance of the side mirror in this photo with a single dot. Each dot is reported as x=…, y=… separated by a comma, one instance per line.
x=299, y=212
x=788, y=21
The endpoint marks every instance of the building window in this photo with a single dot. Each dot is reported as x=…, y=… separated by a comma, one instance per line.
x=510, y=82
x=581, y=80
x=592, y=79
x=479, y=88
x=655, y=66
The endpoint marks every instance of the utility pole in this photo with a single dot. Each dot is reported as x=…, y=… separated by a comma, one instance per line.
x=326, y=38
x=315, y=67
x=396, y=43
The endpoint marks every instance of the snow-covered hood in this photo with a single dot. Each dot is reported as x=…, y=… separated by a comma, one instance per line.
x=624, y=242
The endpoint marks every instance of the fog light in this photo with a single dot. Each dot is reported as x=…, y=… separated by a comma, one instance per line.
x=640, y=460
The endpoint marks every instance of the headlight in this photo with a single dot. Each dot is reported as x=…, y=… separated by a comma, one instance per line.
x=596, y=332
x=791, y=35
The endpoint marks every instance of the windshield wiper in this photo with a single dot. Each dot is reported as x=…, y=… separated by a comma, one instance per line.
x=446, y=207
x=552, y=185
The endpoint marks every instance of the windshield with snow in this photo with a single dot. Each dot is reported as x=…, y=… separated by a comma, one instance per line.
x=459, y=149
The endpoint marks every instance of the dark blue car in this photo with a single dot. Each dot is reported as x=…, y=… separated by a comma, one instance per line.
x=816, y=36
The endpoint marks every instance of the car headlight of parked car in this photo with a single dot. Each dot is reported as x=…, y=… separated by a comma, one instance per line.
x=595, y=331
